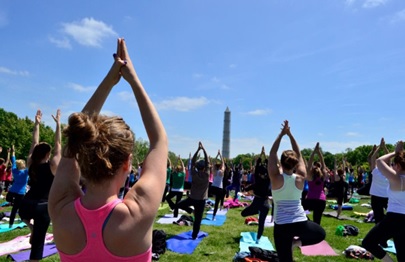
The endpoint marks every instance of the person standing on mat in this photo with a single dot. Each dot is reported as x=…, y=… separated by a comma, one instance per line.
x=41, y=170
x=168, y=179
x=97, y=225
x=316, y=176
x=217, y=183
x=177, y=188
x=392, y=166
x=340, y=187
x=261, y=191
x=379, y=184
x=18, y=189
x=290, y=220
x=199, y=189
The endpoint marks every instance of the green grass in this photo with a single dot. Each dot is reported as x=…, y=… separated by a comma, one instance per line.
x=222, y=242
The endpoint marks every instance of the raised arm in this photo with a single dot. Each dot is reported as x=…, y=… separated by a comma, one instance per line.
x=383, y=164
x=300, y=168
x=96, y=102
x=322, y=160
x=372, y=157
x=311, y=162
x=35, y=135
x=222, y=168
x=148, y=191
x=66, y=185
x=383, y=146
x=273, y=169
x=57, y=150
x=183, y=169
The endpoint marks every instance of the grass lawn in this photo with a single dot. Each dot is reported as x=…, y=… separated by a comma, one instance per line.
x=223, y=241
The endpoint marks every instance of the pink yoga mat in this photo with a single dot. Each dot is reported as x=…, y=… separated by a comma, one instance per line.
x=320, y=249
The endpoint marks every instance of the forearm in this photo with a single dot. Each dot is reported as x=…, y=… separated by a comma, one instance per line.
x=194, y=159
x=276, y=145
x=97, y=100
x=35, y=134
x=151, y=120
x=386, y=158
x=58, y=140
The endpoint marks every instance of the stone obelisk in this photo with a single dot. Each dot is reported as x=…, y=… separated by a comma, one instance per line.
x=226, y=137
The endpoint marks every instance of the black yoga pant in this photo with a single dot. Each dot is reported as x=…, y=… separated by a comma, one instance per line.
x=219, y=198
x=261, y=206
x=16, y=200
x=317, y=206
x=378, y=204
x=172, y=205
x=198, y=212
x=392, y=226
x=167, y=187
x=308, y=232
x=41, y=224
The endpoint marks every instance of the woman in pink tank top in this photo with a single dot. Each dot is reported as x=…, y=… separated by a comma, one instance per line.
x=93, y=226
x=316, y=175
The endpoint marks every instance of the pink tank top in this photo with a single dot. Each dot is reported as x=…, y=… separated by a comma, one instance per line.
x=95, y=250
x=316, y=189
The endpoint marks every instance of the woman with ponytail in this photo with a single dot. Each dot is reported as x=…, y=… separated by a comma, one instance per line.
x=97, y=225
x=316, y=176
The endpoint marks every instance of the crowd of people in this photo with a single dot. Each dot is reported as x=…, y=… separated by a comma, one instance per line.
x=97, y=200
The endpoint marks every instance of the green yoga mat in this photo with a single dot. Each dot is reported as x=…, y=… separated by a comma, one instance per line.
x=248, y=239
x=5, y=228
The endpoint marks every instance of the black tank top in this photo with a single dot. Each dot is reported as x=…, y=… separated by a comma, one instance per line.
x=41, y=186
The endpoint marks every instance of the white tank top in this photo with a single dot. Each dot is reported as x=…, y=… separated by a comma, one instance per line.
x=287, y=202
x=217, y=181
x=396, y=199
x=379, y=184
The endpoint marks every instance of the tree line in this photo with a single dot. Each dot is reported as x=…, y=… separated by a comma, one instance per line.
x=18, y=132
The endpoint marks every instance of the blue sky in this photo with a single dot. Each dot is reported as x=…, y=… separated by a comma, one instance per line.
x=335, y=69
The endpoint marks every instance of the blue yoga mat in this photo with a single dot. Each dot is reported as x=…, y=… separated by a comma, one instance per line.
x=183, y=242
x=248, y=239
x=219, y=220
x=49, y=250
x=5, y=228
x=391, y=247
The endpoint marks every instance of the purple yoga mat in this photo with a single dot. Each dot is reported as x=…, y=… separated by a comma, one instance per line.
x=49, y=250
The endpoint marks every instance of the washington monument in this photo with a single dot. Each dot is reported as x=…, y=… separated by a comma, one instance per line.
x=226, y=137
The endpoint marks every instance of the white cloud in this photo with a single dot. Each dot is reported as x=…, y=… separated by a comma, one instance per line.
x=349, y=2
x=215, y=79
x=232, y=66
x=81, y=88
x=4, y=70
x=62, y=43
x=259, y=112
x=183, y=104
x=197, y=75
x=88, y=31
x=352, y=134
x=374, y=3
x=225, y=87
x=398, y=17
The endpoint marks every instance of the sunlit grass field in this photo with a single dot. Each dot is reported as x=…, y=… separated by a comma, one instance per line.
x=222, y=242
